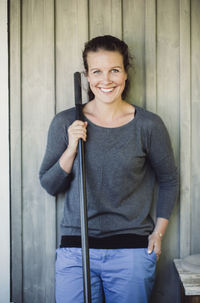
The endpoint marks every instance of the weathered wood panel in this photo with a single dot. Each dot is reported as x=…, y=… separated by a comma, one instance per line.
x=195, y=92
x=16, y=155
x=4, y=159
x=168, y=67
x=105, y=18
x=150, y=55
x=185, y=129
x=134, y=36
x=38, y=103
x=71, y=34
x=168, y=109
x=168, y=80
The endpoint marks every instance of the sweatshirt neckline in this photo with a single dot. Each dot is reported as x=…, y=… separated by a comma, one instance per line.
x=118, y=127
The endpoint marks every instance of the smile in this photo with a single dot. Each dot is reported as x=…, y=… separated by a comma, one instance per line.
x=106, y=90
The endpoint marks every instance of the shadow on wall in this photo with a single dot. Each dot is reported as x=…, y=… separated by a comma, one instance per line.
x=170, y=292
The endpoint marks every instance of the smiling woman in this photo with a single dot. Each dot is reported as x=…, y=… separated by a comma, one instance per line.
x=111, y=45
x=127, y=151
x=107, y=79
x=106, y=75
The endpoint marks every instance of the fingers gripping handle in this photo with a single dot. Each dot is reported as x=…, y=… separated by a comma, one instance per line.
x=78, y=95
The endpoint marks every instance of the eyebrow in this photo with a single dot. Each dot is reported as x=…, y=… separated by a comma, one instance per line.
x=111, y=68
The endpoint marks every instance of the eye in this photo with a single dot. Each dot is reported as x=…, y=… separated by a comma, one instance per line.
x=115, y=70
x=96, y=72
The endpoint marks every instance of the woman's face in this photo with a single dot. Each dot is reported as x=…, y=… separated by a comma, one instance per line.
x=106, y=75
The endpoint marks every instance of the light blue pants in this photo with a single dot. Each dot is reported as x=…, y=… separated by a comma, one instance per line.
x=123, y=275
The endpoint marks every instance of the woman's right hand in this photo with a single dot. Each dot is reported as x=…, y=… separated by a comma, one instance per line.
x=77, y=130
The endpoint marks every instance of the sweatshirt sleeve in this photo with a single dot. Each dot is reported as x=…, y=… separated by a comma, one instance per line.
x=52, y=177
x=162, y=160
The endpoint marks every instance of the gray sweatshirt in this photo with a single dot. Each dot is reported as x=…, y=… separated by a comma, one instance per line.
x=123, y=164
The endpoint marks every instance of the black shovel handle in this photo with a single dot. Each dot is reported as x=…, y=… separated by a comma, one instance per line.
x=78, y=95
x=83, y=198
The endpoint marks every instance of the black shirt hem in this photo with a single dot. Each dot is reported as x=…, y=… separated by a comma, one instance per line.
x=111, y=242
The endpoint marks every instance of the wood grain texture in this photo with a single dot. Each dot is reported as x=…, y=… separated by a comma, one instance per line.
x=134, y=36
x=4, y=159
x=15, y=145
x=190, y=280
x=150, y=55
x=168, y=83
x=71, y=34
x=168, y=67
x=105, y=18
x=195, y=87
x=185, y=129
x=168, y=109
x=38, y=103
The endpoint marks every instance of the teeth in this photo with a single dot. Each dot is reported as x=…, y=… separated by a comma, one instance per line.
x=107, y=90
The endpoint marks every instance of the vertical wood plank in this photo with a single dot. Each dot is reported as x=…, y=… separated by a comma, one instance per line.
x=71, y=34
x=134, y=36
x=38, y=105
x=185, y=129
x=168, y=109
x=168, y=90
x=4, y=159
x=105, y=18
x=15, y=146
x=150, y=54
x=195, y=86
x=168, y=67
x=150, y=64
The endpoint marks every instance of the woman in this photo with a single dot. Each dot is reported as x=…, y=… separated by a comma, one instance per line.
x=127, y=150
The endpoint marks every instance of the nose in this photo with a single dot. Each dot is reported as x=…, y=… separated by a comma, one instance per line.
x=106, y=77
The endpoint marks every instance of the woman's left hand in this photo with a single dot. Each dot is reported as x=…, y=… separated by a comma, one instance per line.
x=155, y=243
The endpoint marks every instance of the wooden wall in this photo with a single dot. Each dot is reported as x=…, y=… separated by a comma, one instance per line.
x=4, y=158
x=46, y=40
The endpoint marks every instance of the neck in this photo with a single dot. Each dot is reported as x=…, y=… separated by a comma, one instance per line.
x=107, y=111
